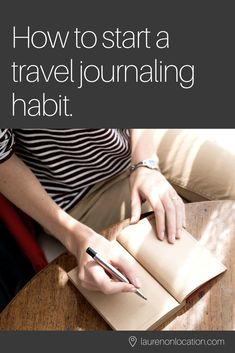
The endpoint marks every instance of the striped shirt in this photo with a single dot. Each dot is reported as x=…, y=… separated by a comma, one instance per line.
x=68, y=162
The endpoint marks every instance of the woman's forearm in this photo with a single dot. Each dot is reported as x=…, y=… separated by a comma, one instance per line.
x=21, y=187
x=143, y=144
x=151, y=186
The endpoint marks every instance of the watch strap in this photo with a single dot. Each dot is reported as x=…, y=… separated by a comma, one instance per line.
x=147, y=163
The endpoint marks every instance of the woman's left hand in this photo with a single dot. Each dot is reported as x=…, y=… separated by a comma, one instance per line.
x=150, y=185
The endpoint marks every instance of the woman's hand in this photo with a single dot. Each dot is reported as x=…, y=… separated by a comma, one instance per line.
x=20, y=185
x=150, y=185
x=92, y=276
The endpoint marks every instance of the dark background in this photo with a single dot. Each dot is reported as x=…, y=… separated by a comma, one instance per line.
x=201, y=33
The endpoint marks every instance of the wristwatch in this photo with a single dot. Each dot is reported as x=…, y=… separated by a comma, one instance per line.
x=147, y=163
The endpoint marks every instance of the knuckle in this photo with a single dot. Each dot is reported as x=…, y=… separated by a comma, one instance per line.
x=160, y=211
x=134, y=191
x=169, y=208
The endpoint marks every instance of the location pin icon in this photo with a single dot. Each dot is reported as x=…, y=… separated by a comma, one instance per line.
x=132, y=341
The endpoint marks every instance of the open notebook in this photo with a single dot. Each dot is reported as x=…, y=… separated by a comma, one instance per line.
x=168, y=273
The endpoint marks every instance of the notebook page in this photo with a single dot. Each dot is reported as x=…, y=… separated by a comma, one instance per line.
x=180, y=268
x=127, y=311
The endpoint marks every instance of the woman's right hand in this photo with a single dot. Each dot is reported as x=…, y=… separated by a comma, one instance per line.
x=92, y=276
x=20, y=186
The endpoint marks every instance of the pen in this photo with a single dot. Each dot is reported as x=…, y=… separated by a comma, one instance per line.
x=111, y=269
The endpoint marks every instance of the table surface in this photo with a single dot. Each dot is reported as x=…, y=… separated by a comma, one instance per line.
x=50, y=301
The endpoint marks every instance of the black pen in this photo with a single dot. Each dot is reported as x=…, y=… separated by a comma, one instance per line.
x=111, y=269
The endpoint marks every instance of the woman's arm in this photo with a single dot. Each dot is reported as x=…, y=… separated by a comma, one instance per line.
x=143, y=144
x=20, y=186
x=151, y=185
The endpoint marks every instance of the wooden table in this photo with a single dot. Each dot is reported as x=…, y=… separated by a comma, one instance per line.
x=50, y=302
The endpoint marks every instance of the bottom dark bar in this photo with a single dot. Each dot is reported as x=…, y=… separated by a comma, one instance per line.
x=167, y=341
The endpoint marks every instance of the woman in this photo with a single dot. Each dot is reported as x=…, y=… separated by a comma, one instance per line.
x=76, y=181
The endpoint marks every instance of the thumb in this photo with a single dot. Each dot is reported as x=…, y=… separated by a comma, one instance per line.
x=135, y=207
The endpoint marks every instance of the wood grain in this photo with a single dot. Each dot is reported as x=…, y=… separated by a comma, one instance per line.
x=50, y=302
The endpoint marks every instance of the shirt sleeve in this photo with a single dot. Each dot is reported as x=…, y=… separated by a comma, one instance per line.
x=7, y=143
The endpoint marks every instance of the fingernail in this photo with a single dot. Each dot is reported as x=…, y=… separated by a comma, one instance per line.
x=162, y=234
x=137, y=282
x=172, y=238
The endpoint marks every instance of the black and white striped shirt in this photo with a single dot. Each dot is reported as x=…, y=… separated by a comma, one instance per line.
x=68, y=162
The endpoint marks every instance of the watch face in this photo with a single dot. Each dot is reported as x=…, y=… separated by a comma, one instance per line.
x=150, y=163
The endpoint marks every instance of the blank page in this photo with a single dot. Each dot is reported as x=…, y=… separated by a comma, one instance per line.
x=180, y=268
x=127, y=311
